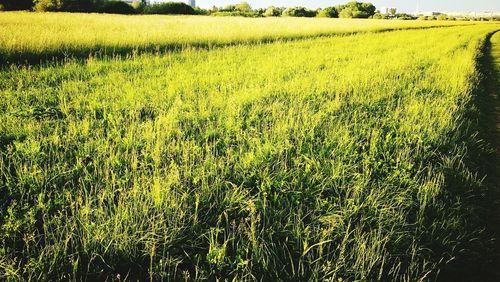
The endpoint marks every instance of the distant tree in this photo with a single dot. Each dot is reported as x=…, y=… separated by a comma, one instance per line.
x=99, y=3
x=259, y=11
x=288, y=12
x=12, y=5
x=368, y=8
x=78, y=6
x=169, y=8
x=68, y=5
x=356, y=10
x=330, y=12
x=321, y=13
x=228, y=8
x=48, y=5
x=442, y=17
x=403, y=16
x=138, y=6
x=243, y=7
x=298, y=12
x=272, y=11
x=200, y=11
x=378, y=16
x=117, y=7
x=392, y=11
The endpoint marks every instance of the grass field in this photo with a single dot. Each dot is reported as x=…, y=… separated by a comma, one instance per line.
x=496, y=51
x=489, y=103
x=334, y=158
x=32, y=36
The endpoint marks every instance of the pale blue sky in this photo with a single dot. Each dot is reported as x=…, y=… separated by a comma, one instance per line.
x=402, y=5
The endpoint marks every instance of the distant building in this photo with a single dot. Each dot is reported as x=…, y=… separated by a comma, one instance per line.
x=474, y=14
x=461, y=14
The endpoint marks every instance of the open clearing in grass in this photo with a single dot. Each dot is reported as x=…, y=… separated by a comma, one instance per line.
x=35, y=36
x=330, y=158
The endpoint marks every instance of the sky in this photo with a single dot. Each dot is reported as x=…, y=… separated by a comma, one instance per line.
x=401, y=5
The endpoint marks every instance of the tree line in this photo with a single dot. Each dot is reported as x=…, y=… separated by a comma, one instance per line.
x=99, y=6
x=243, y=9
x=349, y=10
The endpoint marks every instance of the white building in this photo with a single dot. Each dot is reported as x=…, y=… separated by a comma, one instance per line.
x=474, y=14
x=462, y=14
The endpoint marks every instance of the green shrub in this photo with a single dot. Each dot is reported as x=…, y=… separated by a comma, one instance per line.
x=77, y=6
x=272, y=11
x=12, y=5
x=330, y=12
x=169, y=8
x=298, y=12
x=228, y=8
x=442, y=17
x=356, y=10
x=66, y=5
x=402, y=16
x=117, y=7
x=200, y=11
x=250, y=14
x=320, y=13
x=48, y=5
x=378, y=16
x=138, y=6
x=243, y=7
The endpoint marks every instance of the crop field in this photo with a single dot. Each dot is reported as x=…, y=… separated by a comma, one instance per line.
x=337, y=158
x=32, y=36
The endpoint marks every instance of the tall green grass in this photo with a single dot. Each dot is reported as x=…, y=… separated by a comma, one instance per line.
x=495, y=40
x=39, y=36
x=326, y=159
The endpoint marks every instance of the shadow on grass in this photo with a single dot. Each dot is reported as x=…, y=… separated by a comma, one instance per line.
x=481, y=258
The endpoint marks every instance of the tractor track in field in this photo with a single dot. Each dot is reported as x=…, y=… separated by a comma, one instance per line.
x=489, y=118
x=494, y=93
x=484, y=264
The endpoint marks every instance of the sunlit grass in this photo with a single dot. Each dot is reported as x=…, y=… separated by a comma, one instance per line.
x=495, y=40
x=32, y=36
x=323, y=159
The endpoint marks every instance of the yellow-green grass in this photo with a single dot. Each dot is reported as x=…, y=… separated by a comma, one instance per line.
x=495, y=53
x=322, y=159
x=35, y=36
